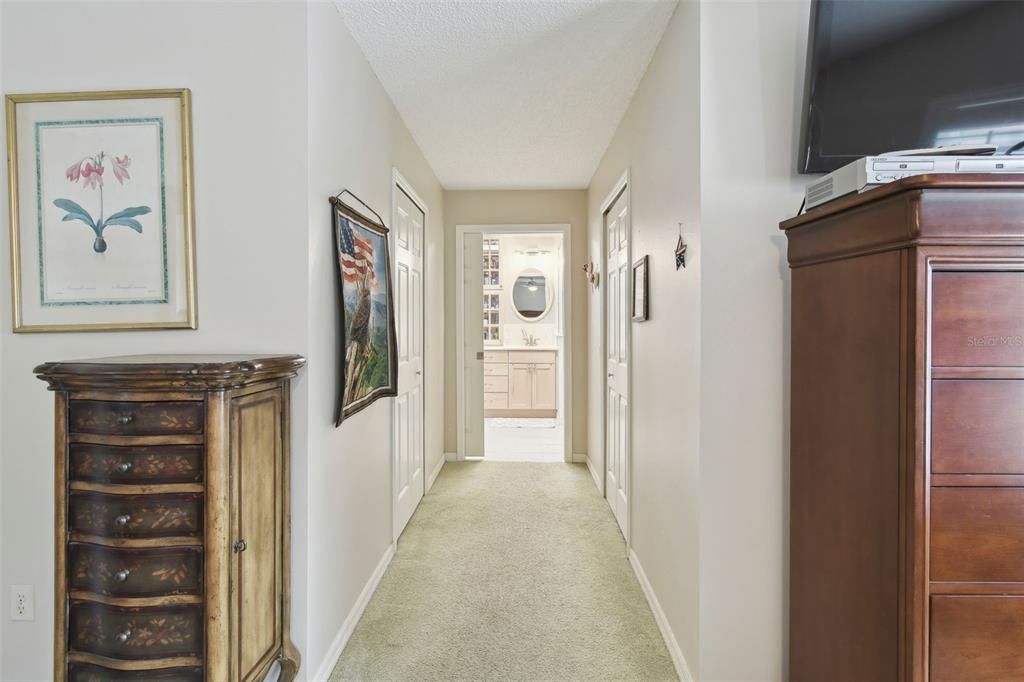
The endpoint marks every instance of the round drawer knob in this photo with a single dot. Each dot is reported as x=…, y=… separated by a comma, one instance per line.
x=124, y=467
x=125, y=419
x=123, y=520
x=123, y=636
x=122, y=575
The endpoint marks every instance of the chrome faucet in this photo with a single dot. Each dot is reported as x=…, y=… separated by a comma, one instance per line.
x=529, y=339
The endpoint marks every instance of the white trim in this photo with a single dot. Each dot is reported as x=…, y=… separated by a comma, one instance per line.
x=451, y=457
x=565, y=229
x=579, y=457
x=671, y=643
x=436, y=472
x=595, y=475
x=624, y=183
x=399, y=183
x=326, y=667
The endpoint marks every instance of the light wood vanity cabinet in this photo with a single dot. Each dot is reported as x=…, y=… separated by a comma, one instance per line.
x=520, y=383
x=172, y=537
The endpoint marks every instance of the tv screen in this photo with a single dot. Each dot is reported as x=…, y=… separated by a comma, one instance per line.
x=884, y=75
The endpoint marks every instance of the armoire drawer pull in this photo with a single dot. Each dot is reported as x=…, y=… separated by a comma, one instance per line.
x=125, y=419
x=122, y=520
x=124, y=467
x=122, y=575
x=123, y=636
x=240, y=546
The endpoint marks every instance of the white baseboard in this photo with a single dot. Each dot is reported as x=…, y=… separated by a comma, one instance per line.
x=451, y=457
x=579, y=457
x=593, y=473
x=323, y=672
x=674, y=650
x=432, y=476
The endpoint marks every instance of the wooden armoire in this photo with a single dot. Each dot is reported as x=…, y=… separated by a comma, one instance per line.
x=907, y=433
x=172, y=523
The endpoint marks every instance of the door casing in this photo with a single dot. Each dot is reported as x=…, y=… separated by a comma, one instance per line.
x=400, y=184
x=565, y=285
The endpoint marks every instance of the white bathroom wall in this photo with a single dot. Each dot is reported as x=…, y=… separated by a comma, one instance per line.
x=515, y=262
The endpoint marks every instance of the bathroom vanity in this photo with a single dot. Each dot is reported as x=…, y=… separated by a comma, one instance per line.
x=521, y=382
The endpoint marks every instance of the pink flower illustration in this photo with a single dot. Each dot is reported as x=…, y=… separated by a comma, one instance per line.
x=121, y=168
x=92, y=175
x=90, y=171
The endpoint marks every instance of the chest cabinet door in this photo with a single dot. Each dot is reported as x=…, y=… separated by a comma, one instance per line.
x=257, y=533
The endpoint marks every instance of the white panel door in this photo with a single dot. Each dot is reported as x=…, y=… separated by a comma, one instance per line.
x=473, y=345
x=407, y=464
x=617, y=342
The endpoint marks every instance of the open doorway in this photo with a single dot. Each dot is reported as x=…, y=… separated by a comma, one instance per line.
x=514, y=312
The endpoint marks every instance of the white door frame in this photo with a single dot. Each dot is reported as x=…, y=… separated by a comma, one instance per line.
x=399, y=183
x=623, y=183
x=565, y=229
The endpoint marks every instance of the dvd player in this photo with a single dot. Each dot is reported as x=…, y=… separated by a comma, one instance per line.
x=871, y=171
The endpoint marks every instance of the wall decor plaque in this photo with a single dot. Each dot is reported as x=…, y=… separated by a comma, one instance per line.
x=101, y=210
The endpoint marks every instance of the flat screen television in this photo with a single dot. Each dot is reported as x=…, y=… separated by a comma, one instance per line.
x=884, y=75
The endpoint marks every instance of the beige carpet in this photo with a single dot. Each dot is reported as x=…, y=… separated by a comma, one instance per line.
x=508, y=571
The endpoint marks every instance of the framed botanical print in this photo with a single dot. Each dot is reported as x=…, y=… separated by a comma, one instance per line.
x=640, y=300
x=367, y=350
x=102, y=233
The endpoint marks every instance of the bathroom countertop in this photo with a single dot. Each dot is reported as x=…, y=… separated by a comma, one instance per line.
x=504, y=348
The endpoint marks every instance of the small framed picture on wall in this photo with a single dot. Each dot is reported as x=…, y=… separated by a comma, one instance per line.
x=640, y=300
x=101, y=210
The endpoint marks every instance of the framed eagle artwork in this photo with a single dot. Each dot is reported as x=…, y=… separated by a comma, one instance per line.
x=367, y=348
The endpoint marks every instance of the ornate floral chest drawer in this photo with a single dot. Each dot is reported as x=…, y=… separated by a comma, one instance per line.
x=172, y=518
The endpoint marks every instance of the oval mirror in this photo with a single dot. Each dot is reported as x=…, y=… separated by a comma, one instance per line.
x=531, y=295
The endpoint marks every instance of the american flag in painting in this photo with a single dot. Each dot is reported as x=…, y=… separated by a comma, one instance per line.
x=356, y=254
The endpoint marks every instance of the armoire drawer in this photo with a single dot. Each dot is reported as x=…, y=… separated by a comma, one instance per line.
x=135, y=633
x=978, y=318
x=125, y=464
x=135, y=516
x=135, y=419
x=86, y=672
x=122, y=572
x=977, y=534
x=977, y=426
x=976, y=639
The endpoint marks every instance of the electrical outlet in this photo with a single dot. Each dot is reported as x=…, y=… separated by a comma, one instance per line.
x=23, y=605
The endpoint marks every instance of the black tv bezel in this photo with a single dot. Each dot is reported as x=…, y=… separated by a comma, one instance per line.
x=811, y=160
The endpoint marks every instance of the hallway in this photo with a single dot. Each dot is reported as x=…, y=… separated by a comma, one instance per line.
x=508, y=571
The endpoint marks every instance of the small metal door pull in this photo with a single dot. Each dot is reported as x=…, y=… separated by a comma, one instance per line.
x=240, y=546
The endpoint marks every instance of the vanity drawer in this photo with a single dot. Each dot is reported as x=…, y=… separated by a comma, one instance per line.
x=86, y=672
x=135, y=633
x=127, y=464
x=976, y=639
x=135, y=418
x=977, y=426
x=978, y=319
x=977, y=534
x=120, y=572
x=532, y=356
x=495, y=370
x=495, y=401
x=495, y=356
x=496, y=384
x=135, y=516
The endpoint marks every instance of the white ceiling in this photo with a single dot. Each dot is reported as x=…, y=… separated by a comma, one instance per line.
x=510, y=94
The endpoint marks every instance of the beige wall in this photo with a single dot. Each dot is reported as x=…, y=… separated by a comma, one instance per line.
x=520, y=207
x=356, y=137
x=752, y=64
x=658, y=141
x=249, y=120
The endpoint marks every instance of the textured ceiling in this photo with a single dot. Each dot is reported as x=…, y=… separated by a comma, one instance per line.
x=510, y=94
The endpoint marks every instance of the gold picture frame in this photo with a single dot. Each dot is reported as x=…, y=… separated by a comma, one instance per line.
x=175, y=310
